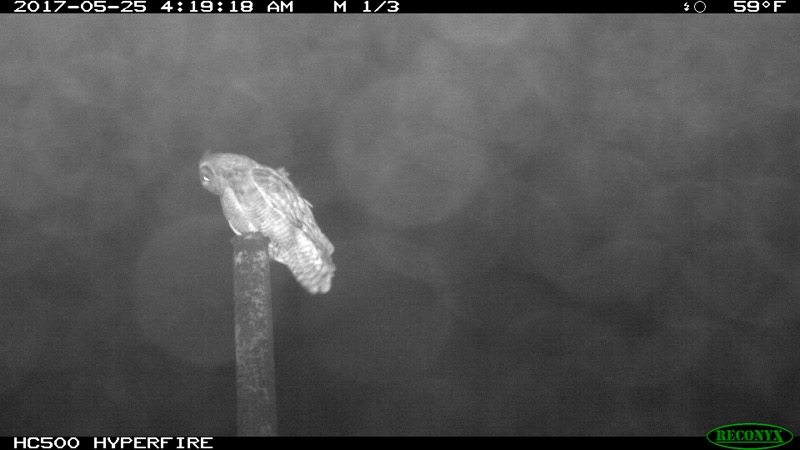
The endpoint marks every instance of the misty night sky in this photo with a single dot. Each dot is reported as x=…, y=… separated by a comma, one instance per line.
x=543, y=224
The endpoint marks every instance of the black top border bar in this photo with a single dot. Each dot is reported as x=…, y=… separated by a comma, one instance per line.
x=196, y=7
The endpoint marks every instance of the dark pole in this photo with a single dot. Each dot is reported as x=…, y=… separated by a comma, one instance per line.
x=255, y=356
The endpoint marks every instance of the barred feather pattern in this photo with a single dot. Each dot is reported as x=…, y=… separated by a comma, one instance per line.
x=257, y=198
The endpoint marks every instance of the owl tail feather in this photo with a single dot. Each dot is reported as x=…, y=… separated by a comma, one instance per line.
x=315, y=277
x=311, y=265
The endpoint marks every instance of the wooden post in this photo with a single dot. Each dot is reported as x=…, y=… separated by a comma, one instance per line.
x=255, y=355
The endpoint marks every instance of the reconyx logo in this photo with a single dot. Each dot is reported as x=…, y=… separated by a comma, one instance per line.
x=749, y=436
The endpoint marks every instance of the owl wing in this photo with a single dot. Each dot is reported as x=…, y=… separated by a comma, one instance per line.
x=275, y=187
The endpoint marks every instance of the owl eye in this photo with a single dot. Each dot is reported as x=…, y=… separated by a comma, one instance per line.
x=205, y=174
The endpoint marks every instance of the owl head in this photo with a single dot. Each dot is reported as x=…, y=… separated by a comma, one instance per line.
x=217, y=169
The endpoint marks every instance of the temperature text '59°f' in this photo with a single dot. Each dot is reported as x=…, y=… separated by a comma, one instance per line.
x=756, y=6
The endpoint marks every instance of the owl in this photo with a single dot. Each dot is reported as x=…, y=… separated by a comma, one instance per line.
x=259, y=198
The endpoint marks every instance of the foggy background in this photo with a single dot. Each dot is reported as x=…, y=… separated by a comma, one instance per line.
x=543, y=224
